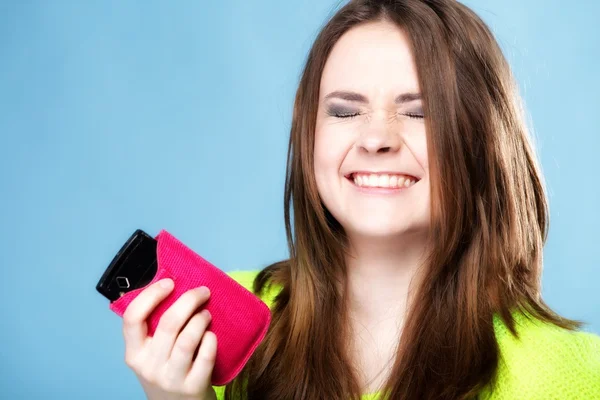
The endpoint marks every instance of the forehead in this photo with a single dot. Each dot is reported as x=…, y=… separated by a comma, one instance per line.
x=371, y=58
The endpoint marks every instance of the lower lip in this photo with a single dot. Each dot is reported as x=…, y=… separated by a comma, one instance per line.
x=379, y=190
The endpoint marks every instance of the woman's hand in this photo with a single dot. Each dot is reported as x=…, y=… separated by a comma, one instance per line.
x=165, y=363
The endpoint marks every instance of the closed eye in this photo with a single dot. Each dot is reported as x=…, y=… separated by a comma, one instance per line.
x=345, y=115
x=350, y=115
x=414, y=115
x=340, y=111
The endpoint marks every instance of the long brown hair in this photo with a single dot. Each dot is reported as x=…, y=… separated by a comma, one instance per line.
x=489, y=222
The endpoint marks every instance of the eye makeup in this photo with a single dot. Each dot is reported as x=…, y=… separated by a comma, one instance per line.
x=416, y=113
x=340, y=111
x=343, y=112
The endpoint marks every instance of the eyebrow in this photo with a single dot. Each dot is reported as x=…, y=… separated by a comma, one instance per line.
x=359, y=98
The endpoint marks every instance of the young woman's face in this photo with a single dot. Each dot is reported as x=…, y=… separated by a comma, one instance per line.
x=370, y=155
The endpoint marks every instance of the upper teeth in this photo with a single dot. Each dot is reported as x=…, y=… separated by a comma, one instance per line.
x=384, y=180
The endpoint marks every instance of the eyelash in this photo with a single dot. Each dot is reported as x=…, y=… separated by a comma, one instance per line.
x=350, y=116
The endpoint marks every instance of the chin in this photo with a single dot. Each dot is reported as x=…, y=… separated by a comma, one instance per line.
x=381, y=229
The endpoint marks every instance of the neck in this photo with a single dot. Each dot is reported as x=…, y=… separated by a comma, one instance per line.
x=380, y=272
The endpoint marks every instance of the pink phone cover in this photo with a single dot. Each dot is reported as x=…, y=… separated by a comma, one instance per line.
x=239, y=318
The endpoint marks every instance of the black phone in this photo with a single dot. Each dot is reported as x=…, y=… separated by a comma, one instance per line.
x=133, y=267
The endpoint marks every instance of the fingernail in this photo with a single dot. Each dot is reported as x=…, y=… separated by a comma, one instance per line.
x=204, y=290
x=166, y=283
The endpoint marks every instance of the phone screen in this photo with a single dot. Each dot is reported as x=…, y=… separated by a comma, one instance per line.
x=133, y=267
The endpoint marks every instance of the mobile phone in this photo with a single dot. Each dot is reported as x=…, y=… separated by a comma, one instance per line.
x=133, y=267
x=240, y=319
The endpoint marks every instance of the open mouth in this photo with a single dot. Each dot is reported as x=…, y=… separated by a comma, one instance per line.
x=382, y=181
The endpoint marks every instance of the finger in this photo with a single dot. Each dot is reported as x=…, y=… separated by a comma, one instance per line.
x=173, y=320
x=201, y=372
x=185, y=346
x=135, y=330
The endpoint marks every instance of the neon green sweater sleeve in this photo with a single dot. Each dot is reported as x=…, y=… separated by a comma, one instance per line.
x=547, y=362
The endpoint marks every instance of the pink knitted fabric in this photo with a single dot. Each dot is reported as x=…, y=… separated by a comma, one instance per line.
x=239, y=318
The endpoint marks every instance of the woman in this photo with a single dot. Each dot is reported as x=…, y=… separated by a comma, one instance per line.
x=416, y=243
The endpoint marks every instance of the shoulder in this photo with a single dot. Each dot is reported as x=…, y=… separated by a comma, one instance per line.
x=545, y=361
x=246, y=279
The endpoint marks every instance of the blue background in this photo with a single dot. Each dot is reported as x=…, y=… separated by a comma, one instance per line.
x=145, y=114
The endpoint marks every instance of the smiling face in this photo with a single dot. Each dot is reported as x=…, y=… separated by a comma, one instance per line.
x=370, y=154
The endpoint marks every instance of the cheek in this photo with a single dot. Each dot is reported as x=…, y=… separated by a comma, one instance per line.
x=417, y=142
x=422, y=156
x=330, y=149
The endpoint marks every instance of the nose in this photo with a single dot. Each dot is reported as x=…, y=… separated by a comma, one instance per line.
x=380, y=137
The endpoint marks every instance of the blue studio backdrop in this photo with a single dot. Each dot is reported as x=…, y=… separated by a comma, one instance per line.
x=153, y=114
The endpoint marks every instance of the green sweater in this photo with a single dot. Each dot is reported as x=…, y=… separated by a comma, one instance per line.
x=546, y=363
